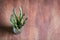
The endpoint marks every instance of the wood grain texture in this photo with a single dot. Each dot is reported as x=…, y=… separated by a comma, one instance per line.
x=43, y=19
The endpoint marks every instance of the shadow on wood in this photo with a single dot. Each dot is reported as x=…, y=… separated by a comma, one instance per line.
x=4, y=29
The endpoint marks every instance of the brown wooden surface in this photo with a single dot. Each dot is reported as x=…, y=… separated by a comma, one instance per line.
x=43, y=19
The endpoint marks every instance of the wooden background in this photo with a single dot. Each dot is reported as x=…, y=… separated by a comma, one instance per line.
x=43, y=19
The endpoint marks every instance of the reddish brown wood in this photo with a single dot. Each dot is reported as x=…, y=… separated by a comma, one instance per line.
x=43, y=19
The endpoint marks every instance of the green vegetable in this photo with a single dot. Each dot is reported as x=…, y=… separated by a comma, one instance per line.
x=16, y=21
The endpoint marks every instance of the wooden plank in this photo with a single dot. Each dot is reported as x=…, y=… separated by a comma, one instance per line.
x=43, y=19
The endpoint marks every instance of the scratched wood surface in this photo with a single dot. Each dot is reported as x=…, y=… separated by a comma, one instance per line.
x=43, y=19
